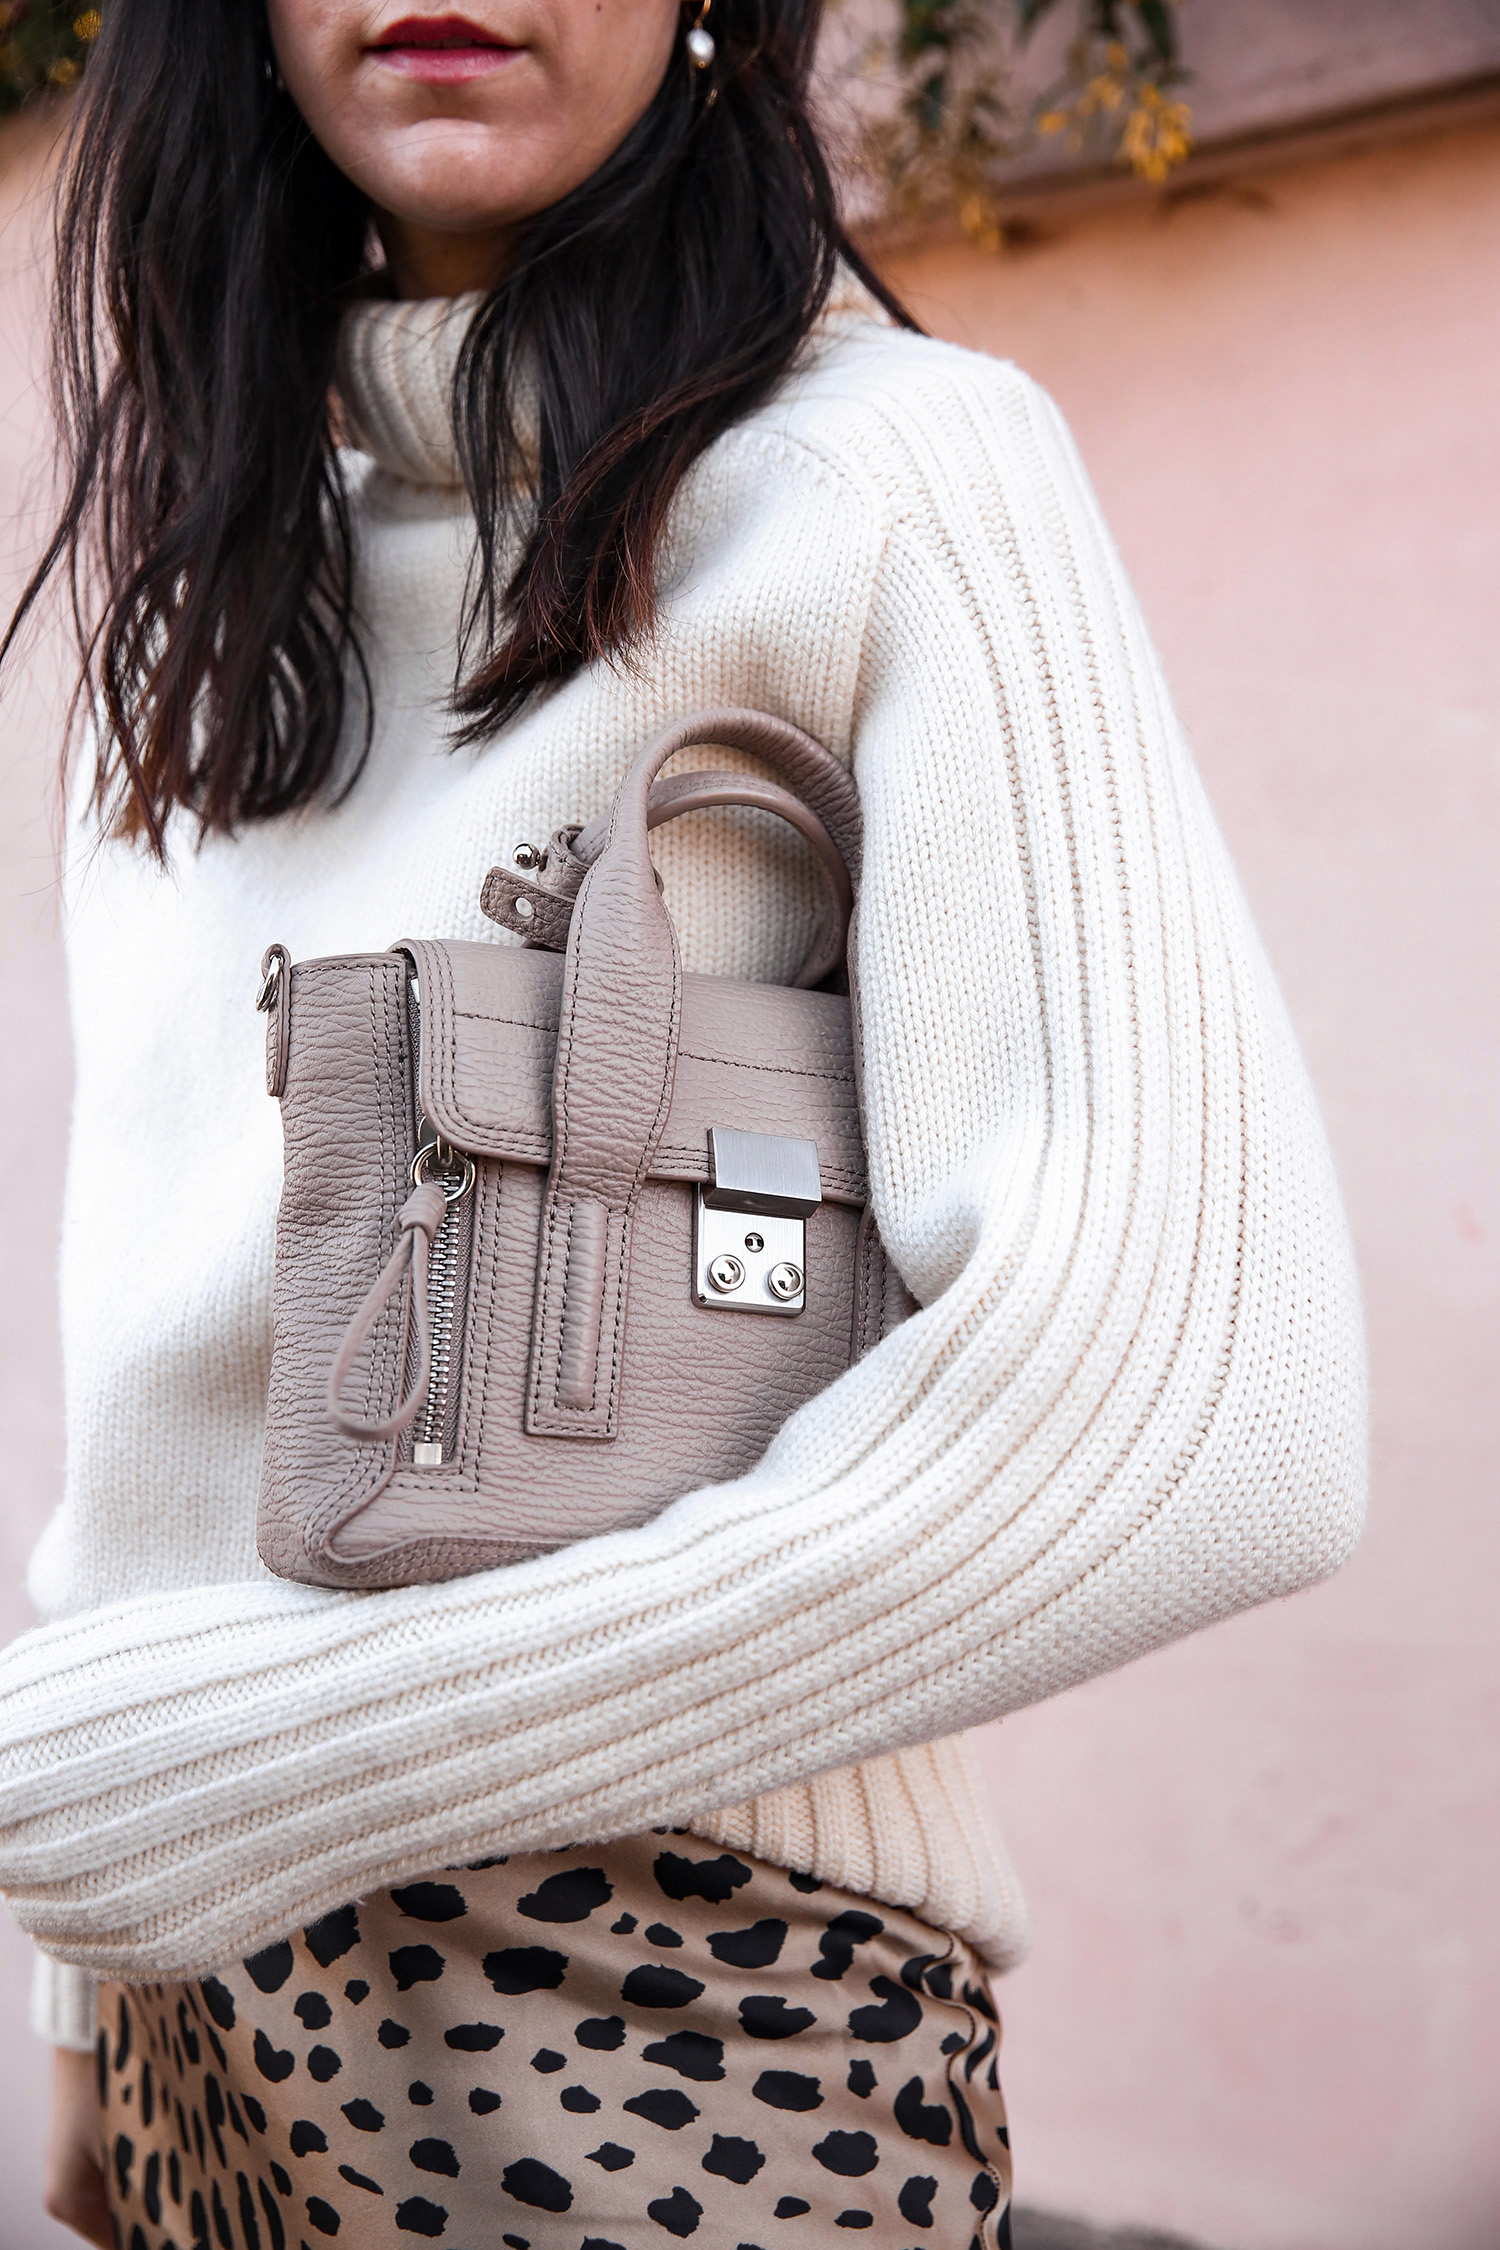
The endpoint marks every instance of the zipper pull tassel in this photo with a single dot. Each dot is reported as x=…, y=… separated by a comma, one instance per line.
x=418, y=1220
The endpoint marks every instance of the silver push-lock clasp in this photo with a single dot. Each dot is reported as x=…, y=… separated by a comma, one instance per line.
x=750, y=1239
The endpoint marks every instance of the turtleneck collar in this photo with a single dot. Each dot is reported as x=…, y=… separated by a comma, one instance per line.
x=396, y=365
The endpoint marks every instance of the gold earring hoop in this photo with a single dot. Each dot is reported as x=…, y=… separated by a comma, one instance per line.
x=701, y=47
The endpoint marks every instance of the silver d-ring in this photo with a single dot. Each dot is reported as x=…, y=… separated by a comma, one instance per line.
x=456, y=1182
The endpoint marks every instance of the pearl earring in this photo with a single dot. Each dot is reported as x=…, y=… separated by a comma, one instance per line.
x=700, y=43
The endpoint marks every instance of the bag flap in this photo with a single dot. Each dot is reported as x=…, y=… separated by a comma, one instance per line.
x=761, y=1057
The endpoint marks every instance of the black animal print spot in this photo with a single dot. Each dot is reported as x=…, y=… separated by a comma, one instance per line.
x=787, y=2089
x=525, y=1968
x=567, y=1897
x=515, y=2242
x=431, y=1902
x=658, y=1933
x=151, y=2187
x=364, y=2116
x=900, y=2012
x=307, y=2139
x=919, y=2120
x=531, y=2181
x=548, y=2059
x=861, y=2079
x=843, y=1934
x=932, y=1971
x=915, y=2200
x=334, y=1935
x=279, y=2174
x=692, y=2054
x=579, y=2100
x=219, y=2001
x=663, y=2105
x=851, y=2155
x=713, y=1879
x=755, y=1948
x=355, y=1991
x=253, y=2111
x=274, y=2063
x=952, y=2043
x=678, y=2212
x=984, y=2194
x=482, y=2101
x=473, y=2038
x=977, y=1997
x=767, y=2016
x=269, y=1970
x=652, y=1986
x=732, y=2159
x=417, y=2216
x=416, y=1964
x=434, y=2156
x=966, y=2130
x=312, y=2011
x=360, y=2180
x=855, y=2219
x=790, y=2207
x=623, y=1927
x=611, y=2157
x=800, y=1882
x=392, y=2034
x=323, y=2064
x=419, y=2093
x=320, y=2215
x=605, y=2033
x=597, y=2242
x=124, y=2158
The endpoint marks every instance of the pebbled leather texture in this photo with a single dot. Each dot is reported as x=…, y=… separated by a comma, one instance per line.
x=583, y=1090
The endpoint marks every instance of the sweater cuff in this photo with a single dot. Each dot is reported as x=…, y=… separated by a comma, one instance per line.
x=63, y=2008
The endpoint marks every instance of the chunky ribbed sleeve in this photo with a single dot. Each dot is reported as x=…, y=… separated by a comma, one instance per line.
x=1131, y=1402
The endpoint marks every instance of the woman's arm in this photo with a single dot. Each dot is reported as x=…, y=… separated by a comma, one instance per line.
x=1132, y=1404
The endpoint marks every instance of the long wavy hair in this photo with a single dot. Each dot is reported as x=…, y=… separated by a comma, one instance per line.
x=206, y=251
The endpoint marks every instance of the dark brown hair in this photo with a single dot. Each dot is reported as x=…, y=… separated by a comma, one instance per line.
x=206, y=250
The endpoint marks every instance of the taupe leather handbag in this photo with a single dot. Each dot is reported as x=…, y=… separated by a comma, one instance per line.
x=561, y=1236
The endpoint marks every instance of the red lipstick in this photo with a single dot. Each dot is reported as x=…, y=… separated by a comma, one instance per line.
x=441, y=50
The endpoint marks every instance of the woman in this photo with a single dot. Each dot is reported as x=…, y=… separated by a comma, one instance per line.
x=523, y=350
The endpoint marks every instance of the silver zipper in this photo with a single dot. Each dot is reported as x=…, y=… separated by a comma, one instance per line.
x=436, y=1159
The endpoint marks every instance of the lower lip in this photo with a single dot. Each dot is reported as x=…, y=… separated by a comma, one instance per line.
x=444, y=66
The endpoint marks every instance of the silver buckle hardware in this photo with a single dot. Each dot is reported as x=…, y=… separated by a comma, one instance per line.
x=750, y=1236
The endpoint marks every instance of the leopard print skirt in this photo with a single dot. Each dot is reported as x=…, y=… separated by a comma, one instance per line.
x=602, y=2049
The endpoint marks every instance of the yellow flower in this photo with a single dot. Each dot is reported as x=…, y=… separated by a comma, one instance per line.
x=86, y=26
x=1157, y=135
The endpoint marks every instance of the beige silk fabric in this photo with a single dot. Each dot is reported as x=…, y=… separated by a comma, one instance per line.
x=595, y=2049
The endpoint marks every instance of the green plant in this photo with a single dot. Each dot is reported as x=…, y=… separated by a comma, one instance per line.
x=42, y=45
x=937, y=117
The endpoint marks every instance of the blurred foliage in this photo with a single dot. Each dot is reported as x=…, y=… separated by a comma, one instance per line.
x=943, y=120
x=42, y=46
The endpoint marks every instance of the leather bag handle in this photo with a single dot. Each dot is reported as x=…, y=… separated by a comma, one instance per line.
x=616, y=1059
x=540, y=911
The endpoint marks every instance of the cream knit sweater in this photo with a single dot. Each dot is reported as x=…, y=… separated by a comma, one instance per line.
x=1132, y=1403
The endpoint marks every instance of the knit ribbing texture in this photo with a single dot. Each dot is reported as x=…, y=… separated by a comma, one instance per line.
x=1133, y=1401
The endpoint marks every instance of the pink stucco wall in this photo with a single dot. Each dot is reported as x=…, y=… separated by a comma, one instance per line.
x=1264, y=1997
x=1263, y=1865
